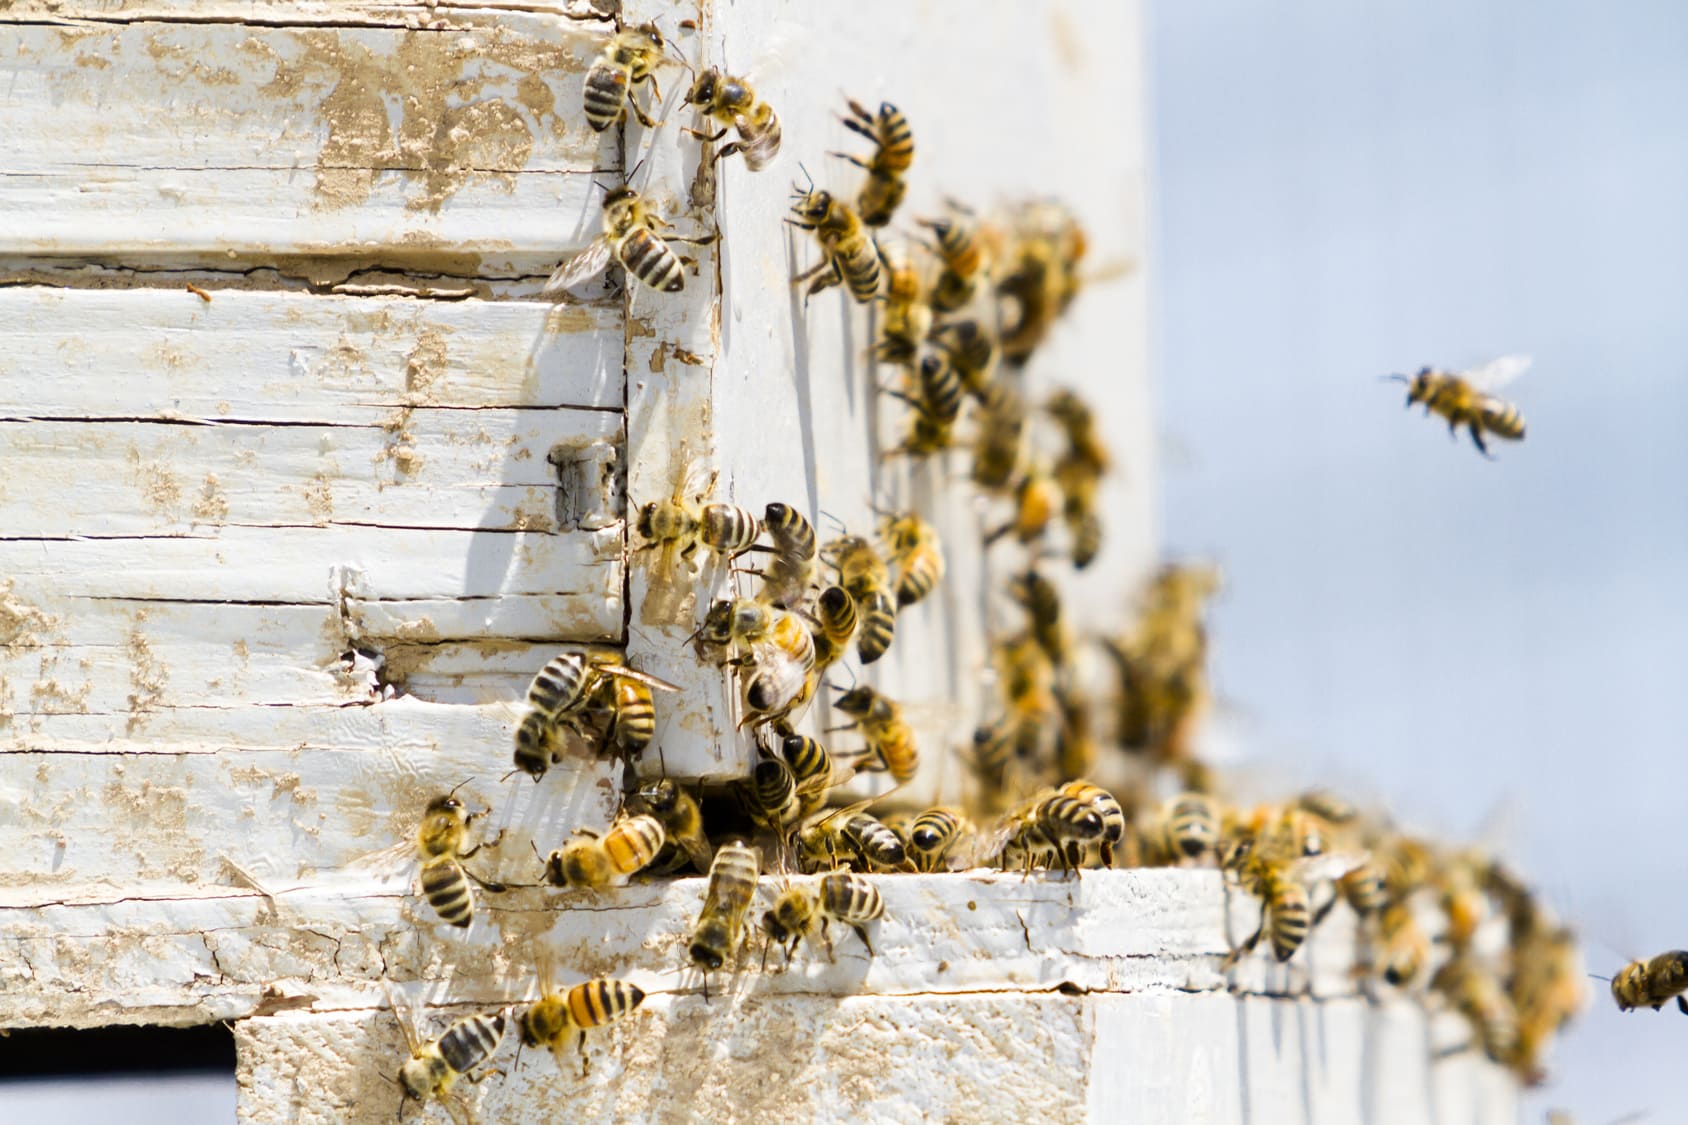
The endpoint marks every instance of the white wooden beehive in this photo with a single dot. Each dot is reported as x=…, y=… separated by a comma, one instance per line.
x=274, y=563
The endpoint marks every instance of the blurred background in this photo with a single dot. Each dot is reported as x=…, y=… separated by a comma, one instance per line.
x=1496, y=648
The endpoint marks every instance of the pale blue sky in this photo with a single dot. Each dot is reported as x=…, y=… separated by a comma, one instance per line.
x=1347, y=189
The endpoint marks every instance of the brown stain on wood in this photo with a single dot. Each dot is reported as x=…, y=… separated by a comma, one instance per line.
x=430, y=108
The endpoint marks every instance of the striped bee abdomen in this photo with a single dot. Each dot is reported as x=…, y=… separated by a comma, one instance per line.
x=649, y=259
x=447, y=890
x=469, y=1042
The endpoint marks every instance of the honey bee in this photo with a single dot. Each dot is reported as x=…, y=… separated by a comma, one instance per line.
x=999, y=441
x=777, y=662
x=1651, y=983
x=680, y=525
x=682, y=820
x=1278, y=863
x=972, y=350
x=914, y=552
x=632, y=710
x=1052, y=825
x=907, y=318
x=850, y=836
x=789, y=574
x=1468, y=399
x=1477, y=994
x=1036, y=500
x=1020, y=736
x=1404, y=949
x=1037, y=595
x=835, y=625
x=593, y=861
x=719, y=931
x=1075, y=744
x=551, y=1019
x=1106, y=806
x=893, y=153
x=435, y=1065
x=963, y=257
x=1191, y=827
x=812, y=769
x=632, y=238
x=1040, y=276
x=629, y=59
x=733, y=104
x=804, y=911
x=847, y=253
x=560, y=694
x=440, y=844
x=773, y=795
x=889, y=738
x=866, y=578
x=934, y=835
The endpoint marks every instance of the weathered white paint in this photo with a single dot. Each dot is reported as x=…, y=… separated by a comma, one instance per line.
x=274, y=565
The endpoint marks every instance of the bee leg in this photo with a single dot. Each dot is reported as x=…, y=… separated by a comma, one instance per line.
x=1244, y=949
x=861, y=932
x=1477, y=437
x=491, y=886
x=1682, y=1004
x=727, y=150
x=710, y=137
x=645, y=119
x=856, y=160
x=585, y=1059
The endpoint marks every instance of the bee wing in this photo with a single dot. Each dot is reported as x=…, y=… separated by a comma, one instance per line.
x=1329, y=865
x=789, y=673
x=621, y=671
x=587, y=264
x=841, y=774
x=1492, y=376
x=393, y=862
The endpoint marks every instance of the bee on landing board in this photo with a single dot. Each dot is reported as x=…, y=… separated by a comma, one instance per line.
x=629, y=59
x=435, y=1065
x=848, y=256
x=1468, y=399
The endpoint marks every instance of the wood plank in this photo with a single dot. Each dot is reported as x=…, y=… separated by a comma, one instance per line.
x=454, y=144
x=113, y=825
x=415, y=467
x=296, y=357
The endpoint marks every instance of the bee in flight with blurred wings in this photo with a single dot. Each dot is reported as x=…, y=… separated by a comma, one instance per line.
x=1468, y=398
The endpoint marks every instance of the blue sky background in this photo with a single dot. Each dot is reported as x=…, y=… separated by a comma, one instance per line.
x=1343, y=190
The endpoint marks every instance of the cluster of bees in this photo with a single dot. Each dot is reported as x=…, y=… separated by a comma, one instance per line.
x=961, y=313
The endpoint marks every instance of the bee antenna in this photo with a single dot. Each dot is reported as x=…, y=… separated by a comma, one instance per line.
x=458, y=786
x=1597, y=976
x=833, y=520
x=1394, y=379
x=635, y=170
x=806, y=176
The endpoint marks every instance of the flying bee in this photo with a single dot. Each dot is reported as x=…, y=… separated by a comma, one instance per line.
x=935, y=389
x=731, y=103
x=847, y=253
x=629, y=59
x=776, y=661
x=914, y=552
x=907, y=318
x=791, y=571
x=1050, y=826
x=632, y=238
x=866, y=578
x=933, y=837
x=1036, y=500
x=440, y=844
x=850, y=836
x=835, y=625
x=963, y=257
x=773, y=795
x=889, y=737
x=551, y=1019
x=1468, y=398
x=893, y=153
x=682, y=820
x=1106, y=806
x=593, y=861
x=1084, y=444
x=999, y=441
x=719, y=931
x=1191, y=827
x=926, y=437
x=435, y=1065
x=1477, y=994
x=1651, y=983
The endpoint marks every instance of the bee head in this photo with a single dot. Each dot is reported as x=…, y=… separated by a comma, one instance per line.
x=660, y=796
x=651, y=34
x=774, y=928
x=703, y=90
x=856, y=701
